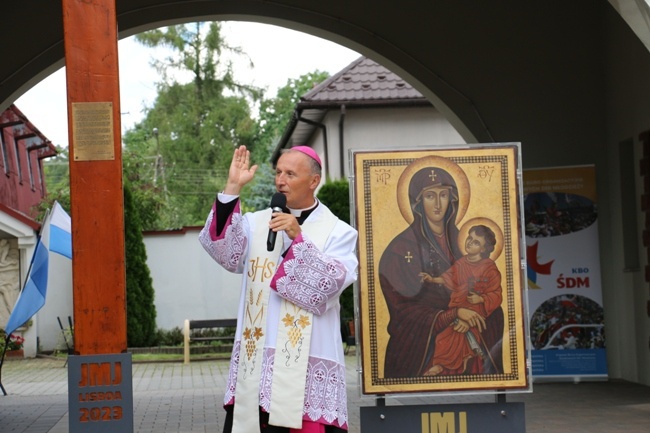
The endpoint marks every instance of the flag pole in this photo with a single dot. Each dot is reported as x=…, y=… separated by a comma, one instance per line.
x=38, y=240
x=31, y=262
x=2, y=361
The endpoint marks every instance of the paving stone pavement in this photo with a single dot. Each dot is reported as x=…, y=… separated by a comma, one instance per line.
x=173, y=397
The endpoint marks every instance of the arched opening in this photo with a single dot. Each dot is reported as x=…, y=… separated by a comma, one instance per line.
x=570, y=86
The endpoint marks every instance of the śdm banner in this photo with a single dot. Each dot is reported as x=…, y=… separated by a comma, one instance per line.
x=565, y=294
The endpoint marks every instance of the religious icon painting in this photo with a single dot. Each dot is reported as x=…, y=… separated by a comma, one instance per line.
x=442, y=288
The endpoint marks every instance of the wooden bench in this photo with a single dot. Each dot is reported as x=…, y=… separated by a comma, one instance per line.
x=191, y=325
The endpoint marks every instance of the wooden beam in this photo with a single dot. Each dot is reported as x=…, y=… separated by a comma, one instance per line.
x=97, y=207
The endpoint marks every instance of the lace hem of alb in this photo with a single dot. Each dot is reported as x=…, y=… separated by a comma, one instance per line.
x=325, y=389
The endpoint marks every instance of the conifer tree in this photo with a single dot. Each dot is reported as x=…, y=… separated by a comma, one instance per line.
x=140, y=307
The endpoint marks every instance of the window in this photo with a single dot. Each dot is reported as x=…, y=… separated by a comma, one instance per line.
x=29, y=167
x=5, y=159
x=41, y=180
x=19, y=167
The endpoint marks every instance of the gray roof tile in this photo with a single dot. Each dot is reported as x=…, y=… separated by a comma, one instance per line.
x=362, y=80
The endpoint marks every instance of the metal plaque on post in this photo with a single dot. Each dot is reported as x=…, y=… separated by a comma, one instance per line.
x=100, y=393
x=92, y=131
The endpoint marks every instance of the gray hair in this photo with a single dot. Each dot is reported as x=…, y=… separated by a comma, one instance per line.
x=315, y=168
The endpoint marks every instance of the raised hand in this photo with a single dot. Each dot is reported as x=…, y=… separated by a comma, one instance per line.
x=240, y=172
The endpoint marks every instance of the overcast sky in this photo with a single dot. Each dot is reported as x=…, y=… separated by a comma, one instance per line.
x=279, y=54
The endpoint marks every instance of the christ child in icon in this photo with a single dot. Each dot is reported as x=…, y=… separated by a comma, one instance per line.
x=475, y=283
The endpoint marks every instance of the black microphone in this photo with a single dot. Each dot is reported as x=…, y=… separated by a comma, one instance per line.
x=278, y=203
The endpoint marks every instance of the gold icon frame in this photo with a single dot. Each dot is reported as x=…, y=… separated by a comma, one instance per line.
x=488, y=180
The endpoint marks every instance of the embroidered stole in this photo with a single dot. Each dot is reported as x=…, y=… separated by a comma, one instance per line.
x=293, y=337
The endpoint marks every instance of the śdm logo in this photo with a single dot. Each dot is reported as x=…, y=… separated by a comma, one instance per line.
x=534, y=267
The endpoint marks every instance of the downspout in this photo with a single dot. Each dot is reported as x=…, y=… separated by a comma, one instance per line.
x=322, y=127
x=341, y=144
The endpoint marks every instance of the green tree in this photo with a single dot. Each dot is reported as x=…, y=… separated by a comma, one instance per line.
x=140, y=307
x=56, y=171
x=142, y=170
x=198, y=123
x=335, y=194
x=276, y=113
x=274, y=116
x=257, y=195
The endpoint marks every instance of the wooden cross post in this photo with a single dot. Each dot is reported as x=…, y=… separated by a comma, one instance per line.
x=101, y=365
x=97, y=204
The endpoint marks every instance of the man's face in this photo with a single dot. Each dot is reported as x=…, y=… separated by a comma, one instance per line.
x=294, y=179
x=435, y=201
x=474, y=244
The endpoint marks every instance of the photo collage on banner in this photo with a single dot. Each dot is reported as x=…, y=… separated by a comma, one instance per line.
x=563, y=269
x=441, y=277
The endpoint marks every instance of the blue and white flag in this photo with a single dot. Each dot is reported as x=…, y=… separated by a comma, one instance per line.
x=56, y=237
